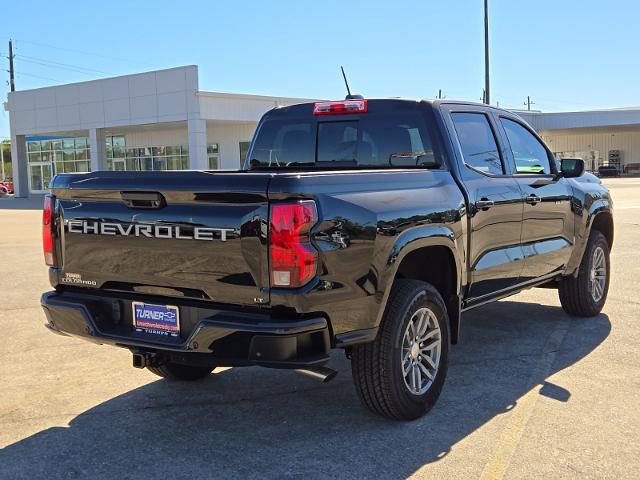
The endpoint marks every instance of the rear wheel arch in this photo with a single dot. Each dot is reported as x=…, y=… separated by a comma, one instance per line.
x=436, y=265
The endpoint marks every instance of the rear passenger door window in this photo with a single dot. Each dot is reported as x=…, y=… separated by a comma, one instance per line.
x=529, y=154
x=478, y=142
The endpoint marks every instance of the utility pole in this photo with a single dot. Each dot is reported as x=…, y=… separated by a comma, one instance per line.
x=528, y=103
x=487, y=95
x=439, y=93
x=12, y=84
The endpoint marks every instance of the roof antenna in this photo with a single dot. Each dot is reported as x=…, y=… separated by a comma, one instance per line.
x=349, y=96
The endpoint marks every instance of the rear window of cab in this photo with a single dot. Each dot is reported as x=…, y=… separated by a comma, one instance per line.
x=368, y=140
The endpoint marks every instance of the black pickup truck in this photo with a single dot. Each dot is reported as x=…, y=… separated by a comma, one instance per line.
x=365, y=225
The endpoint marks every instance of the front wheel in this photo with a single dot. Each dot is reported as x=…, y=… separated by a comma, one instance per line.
x=585, y=295
x=401, y=373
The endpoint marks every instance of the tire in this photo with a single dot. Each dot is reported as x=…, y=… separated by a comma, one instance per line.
x=185, y=373
x=378, y=367
x=577, y=294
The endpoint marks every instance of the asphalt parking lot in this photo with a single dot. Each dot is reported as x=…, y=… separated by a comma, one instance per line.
x=531, y=393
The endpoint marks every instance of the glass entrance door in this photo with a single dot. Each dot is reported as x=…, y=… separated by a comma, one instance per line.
x=39, y=177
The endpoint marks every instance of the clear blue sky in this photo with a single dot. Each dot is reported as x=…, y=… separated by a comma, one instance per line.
x=566, y=54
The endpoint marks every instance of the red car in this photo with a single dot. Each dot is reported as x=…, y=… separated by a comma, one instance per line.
x=8, y=183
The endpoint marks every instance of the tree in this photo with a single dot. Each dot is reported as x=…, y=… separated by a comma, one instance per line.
x=6, y=152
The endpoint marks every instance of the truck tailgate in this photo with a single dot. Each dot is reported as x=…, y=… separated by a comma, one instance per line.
x=186, y=234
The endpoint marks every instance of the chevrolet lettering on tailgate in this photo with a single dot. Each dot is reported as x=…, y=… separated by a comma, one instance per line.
x=147, y=230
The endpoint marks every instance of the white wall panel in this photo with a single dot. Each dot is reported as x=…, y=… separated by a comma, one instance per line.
x=152, y=137
x=116, y=109
x=22, y=121
x=228, y=138
x=144, y=108
x=586, y=119
x=221, y=108
x=46, y=117
x=139, y=99
x=173, y=103
x=91, y=114
x=240, y=108
x=90, y=92
x=142, y=84
x=114, y=88
x=19, y=103
x=68, y=116
x=627, y=142
x=67, y=94
x=44, y=98
x=168, y=81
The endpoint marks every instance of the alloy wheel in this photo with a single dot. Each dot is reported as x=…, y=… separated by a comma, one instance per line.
x=420, y=353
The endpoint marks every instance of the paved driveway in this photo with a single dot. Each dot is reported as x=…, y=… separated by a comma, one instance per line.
x=531, y=393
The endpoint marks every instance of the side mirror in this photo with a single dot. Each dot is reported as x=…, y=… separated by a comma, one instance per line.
x=571, y=167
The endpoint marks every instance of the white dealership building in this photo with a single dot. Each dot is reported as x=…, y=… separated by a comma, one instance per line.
x=156, y=120
x=161, y=120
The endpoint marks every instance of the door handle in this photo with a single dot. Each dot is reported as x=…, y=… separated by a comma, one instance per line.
x=484, y=204
x=533, y=199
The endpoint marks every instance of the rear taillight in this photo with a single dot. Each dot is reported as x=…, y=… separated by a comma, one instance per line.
x=48, y=227
x=339, y=108
x=293, y=258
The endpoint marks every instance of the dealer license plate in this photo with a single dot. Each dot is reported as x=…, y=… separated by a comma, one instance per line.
x=157, y=319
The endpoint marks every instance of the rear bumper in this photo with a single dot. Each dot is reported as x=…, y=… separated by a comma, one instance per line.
x=225, y=337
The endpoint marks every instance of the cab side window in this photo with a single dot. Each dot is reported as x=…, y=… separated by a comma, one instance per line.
x=479, y=146
x=529, y=154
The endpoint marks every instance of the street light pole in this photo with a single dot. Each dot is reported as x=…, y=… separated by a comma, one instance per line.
x=487, y=97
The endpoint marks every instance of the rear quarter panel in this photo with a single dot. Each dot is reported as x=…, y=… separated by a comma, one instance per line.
x=369, y=222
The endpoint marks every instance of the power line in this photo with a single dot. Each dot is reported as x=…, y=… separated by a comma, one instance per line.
x=71, y=50
x=63, y=67
x=55, y=64
x=20, y=74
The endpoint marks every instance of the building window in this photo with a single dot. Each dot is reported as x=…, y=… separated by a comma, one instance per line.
x=213, y=152
x=50, y=156
x=115, y=150
x=174, y=157
x=244, y=149
x=168, y=157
